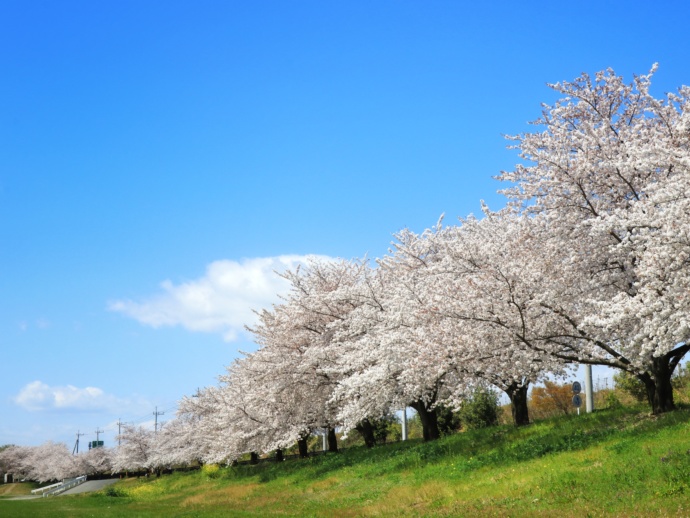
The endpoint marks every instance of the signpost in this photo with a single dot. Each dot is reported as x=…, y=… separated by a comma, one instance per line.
x=577, y=399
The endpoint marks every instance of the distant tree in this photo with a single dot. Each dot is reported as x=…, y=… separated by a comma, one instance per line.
x=134, y=451
x=177, y=443
x=48, y=462
x=8, y=458
x=551, y=399
x=95, y=461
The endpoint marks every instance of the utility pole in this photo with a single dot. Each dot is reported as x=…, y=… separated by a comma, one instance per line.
x=404, y=424
x=119, y=431
x=156, y=414
x=589, y=390
x=75, y=450
x=98, y=433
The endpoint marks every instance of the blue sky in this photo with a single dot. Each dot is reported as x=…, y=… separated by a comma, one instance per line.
x=160, y=159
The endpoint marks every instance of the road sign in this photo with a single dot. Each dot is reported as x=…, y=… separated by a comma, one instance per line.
x=577, y=388
x=577, y=401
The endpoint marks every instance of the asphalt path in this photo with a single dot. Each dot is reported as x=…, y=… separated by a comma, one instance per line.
x=90, y=485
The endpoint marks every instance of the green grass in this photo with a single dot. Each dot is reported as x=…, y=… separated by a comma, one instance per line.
x=614, y=462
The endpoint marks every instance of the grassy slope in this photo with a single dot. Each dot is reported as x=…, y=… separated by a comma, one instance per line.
x=17, y=489
x=622, y=462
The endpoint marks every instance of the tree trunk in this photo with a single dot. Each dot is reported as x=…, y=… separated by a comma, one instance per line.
x=332, y=441
x=518, y=403
x=303, y=448
x=253, y=458
x=429, y=420
x=367, y=430
x=279, y=455
x=658, y=385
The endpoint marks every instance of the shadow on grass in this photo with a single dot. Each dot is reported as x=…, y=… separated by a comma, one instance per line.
x=495, y=446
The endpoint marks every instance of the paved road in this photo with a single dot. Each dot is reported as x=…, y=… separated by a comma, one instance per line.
x=90, y=485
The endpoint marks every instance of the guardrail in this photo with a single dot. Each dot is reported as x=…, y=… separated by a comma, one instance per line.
x=65, y=485
x=45, y=488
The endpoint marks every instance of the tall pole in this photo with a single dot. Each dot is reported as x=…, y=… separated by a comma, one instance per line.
x=119, y=431
x=589, y=389
x=98, y=433
x=75, y=450
x=404, y=424
x=156, y=414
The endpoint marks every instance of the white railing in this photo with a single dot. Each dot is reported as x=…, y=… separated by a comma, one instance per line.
x=65, y=485
x=42, y=489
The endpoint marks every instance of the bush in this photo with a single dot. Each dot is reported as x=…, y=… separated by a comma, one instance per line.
x=611, y=400
x=210, y=470
x=384, y=427
x=631, y=385
x=481, y=410
x=115, y=492
x=448, y=421
x=394, y=430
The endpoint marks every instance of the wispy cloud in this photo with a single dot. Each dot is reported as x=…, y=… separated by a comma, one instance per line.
x=40, y=323
x=37, y=396
x=222, y=301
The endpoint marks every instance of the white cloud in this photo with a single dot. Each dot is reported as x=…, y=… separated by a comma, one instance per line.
x=222, y=301
x=40, y=396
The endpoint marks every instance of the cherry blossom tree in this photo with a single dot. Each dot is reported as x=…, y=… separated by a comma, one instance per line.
x=297, y=366
x=12, y=460
x=134, y=451
x=177, y=444
x=608, y=174
x=282, y=392
x=393, y=349
x=95, y=461
x=44, y=463
x=466, y=296
x=212, y=425
x=587, y=264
